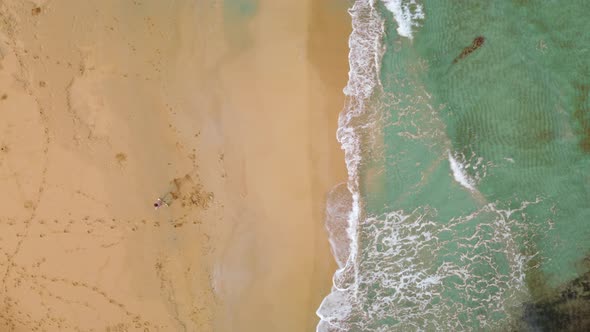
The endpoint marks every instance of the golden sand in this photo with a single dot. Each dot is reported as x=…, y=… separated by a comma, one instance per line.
x=231, y=118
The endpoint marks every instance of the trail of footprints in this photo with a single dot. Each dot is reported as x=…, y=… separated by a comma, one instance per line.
x=88, y=225
x=186, y=193
x=18, y=276
x=8, y=314
x=38, y=283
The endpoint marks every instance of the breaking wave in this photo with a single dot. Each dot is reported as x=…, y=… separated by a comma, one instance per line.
x=366, y=50
x=407, y=15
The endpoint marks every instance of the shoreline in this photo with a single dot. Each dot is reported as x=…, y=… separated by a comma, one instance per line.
x=122, y=103
x=289, y=264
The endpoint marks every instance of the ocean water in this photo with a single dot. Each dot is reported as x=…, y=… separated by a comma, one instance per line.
x=467, y=139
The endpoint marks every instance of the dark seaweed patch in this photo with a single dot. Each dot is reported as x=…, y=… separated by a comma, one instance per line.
x=569, y=310
x=477, y=43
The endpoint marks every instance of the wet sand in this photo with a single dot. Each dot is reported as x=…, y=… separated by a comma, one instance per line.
x=231, y=117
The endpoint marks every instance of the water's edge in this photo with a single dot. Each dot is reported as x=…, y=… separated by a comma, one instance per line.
x=366, y=50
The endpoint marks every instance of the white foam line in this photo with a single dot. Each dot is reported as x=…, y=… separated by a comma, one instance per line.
x=459, y=173
x=365, y=44
x=406, y=14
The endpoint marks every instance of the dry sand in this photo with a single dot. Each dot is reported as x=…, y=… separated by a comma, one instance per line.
x=107, y=105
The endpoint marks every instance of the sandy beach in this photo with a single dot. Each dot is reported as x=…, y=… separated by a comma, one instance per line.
x=225, y=110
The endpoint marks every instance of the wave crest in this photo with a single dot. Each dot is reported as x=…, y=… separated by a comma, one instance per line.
x=406, y=14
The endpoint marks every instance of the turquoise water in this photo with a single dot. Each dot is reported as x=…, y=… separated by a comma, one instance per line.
x=475, y=174
x=523, y=96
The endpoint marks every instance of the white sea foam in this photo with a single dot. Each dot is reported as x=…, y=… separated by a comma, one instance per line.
x=413, y=260
x=363, y=77
x=459, y=173
x=410, y=261
x=407, y=15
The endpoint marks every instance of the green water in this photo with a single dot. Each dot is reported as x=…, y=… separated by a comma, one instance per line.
x=516, y=113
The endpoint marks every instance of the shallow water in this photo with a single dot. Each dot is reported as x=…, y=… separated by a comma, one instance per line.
x=473, y=184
